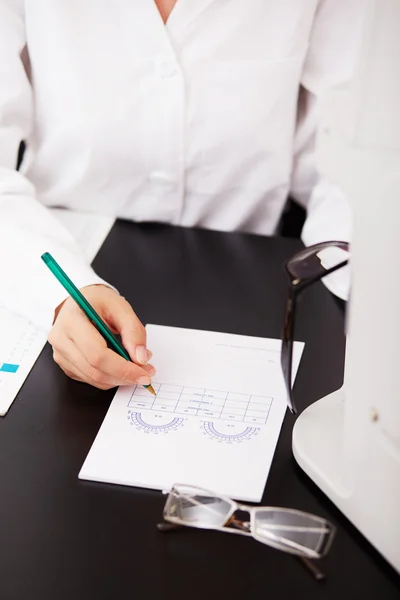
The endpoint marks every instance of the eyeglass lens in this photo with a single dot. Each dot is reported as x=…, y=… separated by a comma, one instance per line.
x=293, y=531
x=195, y=507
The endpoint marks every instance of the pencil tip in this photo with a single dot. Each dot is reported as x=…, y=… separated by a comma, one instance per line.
x=150, y=389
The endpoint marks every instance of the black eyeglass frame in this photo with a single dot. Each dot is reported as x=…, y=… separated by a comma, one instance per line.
x=296, y=287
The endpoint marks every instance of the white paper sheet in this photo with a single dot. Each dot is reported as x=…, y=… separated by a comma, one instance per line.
x=20, y=341
x=214, y=423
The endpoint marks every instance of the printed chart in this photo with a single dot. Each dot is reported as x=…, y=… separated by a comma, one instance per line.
x=154, y=422
x=201, y=402
x=18, y=348
x=20, y=345
x=8, y=368
x=230, y=433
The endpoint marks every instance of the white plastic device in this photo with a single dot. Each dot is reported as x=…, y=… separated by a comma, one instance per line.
x=349, y=441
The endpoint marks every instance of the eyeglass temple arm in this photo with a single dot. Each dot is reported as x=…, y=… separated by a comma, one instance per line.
x=312, y=568
x=304, y=283
x=165, y=526
x=308, y=564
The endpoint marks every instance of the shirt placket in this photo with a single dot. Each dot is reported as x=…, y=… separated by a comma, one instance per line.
x=165, y=113
x=162, y=118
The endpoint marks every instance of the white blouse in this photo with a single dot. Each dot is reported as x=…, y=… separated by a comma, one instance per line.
x=206, y=121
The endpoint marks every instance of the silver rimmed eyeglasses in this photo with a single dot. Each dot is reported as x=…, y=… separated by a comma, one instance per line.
x=298, y=533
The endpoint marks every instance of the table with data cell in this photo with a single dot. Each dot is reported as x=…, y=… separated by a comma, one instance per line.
x=202, y=402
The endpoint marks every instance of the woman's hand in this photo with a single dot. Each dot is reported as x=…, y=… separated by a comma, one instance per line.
x=82, y=353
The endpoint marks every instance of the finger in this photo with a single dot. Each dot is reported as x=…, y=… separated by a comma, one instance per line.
x=101, y=359
x=68, y=368
x=75, y=365
x=119, y=314
x=73, y=373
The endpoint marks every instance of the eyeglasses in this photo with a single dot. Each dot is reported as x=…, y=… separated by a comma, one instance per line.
x=305, y=268
x=298, y=533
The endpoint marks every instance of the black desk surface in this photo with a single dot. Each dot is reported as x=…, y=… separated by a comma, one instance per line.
x=61, y=538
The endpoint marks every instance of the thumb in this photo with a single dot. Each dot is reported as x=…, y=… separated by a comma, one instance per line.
x=133, y=334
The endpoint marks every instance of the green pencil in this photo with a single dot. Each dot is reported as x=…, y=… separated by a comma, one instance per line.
x=88, y=309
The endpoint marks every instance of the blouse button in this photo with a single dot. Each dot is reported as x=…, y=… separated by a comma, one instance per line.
x=166, y=67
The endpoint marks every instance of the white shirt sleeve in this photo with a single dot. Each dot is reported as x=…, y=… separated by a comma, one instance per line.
x=330, y=62
x=27, y=229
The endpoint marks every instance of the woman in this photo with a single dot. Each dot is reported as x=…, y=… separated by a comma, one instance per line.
x=192, y=112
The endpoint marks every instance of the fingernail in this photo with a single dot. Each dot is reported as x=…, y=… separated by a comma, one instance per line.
x=149, y=355
x=144, y=380
x=151, y=371
x=141, y=354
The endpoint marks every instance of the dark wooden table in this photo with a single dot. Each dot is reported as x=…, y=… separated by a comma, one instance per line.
x=64, y=539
